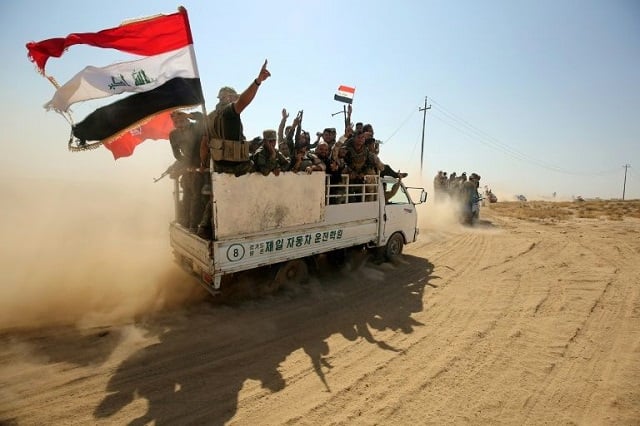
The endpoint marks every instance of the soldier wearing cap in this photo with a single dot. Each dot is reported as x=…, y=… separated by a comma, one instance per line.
x=225, y=122
x=267, y=159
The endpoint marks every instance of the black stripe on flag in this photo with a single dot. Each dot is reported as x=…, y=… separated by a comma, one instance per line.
x=344, y=99
x=113, y=118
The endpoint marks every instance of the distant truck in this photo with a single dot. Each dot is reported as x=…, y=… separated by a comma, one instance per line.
x=284, y=222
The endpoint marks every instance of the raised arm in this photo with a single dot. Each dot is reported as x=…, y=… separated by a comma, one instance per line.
x=250, y=92
x=283, y=123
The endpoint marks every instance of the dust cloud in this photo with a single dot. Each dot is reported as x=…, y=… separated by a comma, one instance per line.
x=439, y=214
x=87, y=253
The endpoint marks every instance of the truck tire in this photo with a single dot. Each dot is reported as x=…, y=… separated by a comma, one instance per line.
x=394, y=246
x=292, y=273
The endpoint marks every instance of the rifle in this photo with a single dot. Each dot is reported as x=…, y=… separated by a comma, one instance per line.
x=175, y=167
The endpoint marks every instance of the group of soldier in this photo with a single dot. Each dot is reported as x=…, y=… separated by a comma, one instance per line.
x=289, y=149
x=462, y=190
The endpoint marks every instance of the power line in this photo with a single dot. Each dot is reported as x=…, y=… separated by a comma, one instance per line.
x=492, y=142
x=413, y=111
x=463, y=126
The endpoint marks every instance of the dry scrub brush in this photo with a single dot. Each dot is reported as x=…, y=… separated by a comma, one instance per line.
x=550, y=211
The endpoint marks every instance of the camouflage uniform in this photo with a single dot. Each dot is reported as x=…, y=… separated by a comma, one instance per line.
x=185, y=144
x=263, y=161
x=308, y=160
x=359, y=163
x=265, y=164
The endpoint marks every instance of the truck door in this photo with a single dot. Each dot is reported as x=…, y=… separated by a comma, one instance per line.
x=399, y=214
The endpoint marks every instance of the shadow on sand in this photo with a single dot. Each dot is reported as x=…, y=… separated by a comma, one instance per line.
x=194, y=374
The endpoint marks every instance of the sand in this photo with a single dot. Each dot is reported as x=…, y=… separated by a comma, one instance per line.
x=509, y=322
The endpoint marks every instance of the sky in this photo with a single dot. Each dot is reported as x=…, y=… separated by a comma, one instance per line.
x=536, y=97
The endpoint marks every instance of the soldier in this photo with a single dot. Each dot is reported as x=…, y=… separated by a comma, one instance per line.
x=254, y=145
x=267, y=159
x=390, y=193
x=333, y=166
x=282, y=131
x=225, y=122
x=359, y=163
x=304, y=161
x=452, y=186
x=373, y=145
x=469, y=197
x=185, y=142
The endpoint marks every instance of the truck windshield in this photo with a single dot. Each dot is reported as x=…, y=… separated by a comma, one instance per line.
x=400, y=196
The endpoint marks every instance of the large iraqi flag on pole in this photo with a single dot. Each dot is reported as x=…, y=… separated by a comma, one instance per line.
x=165, y=79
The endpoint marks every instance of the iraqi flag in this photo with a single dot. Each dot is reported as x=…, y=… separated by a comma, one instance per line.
x=345, y=94
x=135, y=76
x=166, y=79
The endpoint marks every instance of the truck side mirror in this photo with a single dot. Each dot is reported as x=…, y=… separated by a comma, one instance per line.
x=423, y=196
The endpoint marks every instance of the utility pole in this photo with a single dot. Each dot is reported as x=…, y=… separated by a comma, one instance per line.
x=424, y=119
x=624, y=185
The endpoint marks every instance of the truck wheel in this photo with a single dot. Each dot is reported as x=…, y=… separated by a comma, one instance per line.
x=394, y=246
x=292, y=273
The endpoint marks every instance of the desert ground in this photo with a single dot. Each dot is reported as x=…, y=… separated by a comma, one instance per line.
x=532, y=316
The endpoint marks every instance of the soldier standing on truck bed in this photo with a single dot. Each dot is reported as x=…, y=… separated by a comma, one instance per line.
x=225, y=127
x=185, y=142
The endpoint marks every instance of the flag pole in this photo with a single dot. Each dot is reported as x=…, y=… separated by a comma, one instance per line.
x=183, y=10
x=205, y=149
x=204, y=144
x=344, y=111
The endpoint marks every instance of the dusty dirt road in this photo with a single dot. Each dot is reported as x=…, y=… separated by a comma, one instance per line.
x=511, y=322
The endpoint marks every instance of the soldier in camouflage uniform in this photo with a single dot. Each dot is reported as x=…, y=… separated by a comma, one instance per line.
x=267, y=159
x=225, y=121
x=359, y=162
x=185, y=142
x=304, y=161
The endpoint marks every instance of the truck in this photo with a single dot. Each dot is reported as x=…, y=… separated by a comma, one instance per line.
x=280, y=225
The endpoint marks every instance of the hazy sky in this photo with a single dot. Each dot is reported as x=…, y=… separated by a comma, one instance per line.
x=535, y=96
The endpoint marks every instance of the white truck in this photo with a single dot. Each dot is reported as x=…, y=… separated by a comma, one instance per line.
x=283, y=222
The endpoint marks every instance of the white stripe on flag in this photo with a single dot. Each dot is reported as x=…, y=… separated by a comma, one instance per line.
x=135, y=76
x=344, y=94
x=347, y=89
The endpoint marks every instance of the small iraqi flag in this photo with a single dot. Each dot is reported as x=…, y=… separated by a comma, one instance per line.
x=345, y=94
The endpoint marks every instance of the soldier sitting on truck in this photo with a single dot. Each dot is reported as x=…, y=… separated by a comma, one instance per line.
x=304, y=161
x=267, y=159
x=225, y=127
x=333, y=166
x=388, y=195
x=374, y=147
x=185, y=142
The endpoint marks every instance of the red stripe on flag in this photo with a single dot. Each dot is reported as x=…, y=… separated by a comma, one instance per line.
x=348, y=89
x=147, y=37
x=158, y=127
